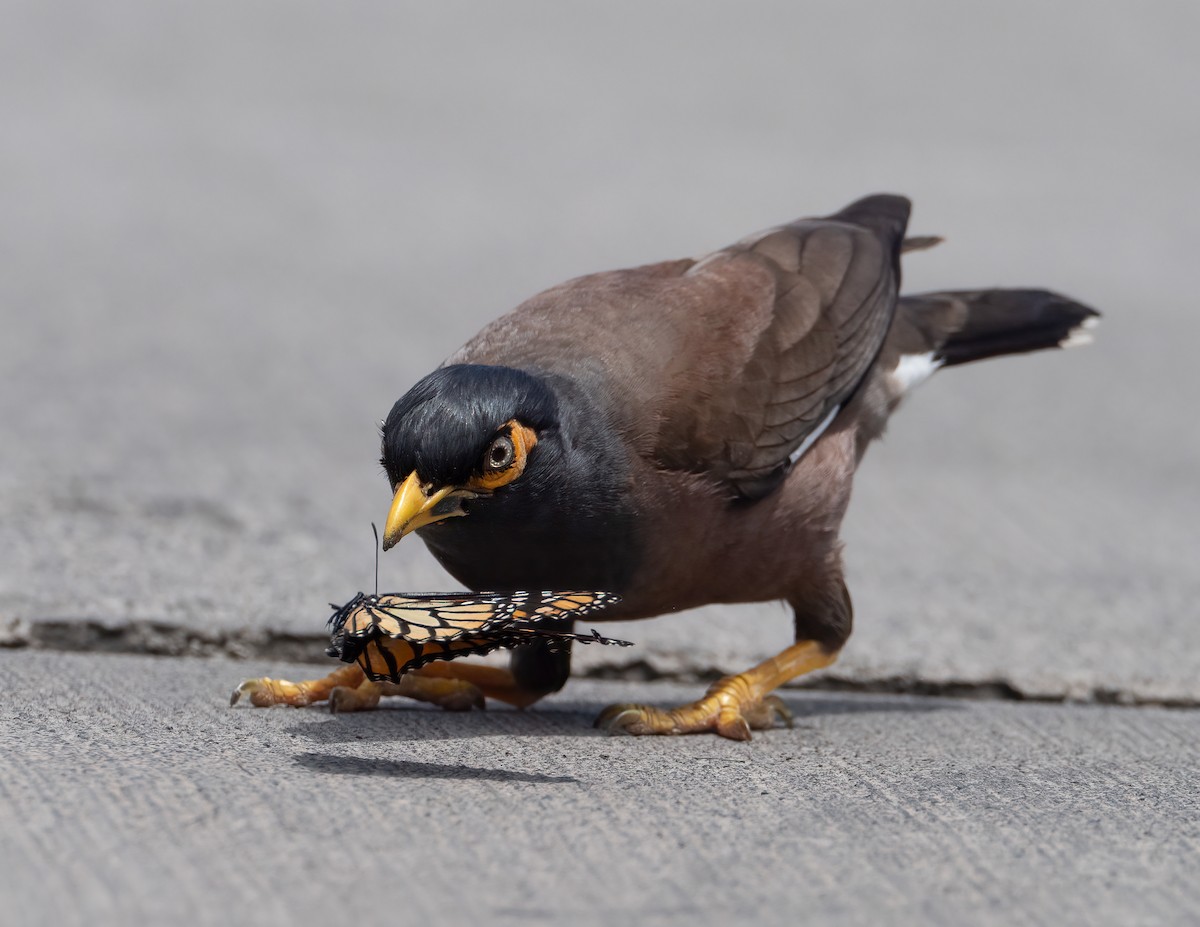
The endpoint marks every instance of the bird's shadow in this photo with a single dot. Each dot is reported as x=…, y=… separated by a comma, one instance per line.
x=332, y=764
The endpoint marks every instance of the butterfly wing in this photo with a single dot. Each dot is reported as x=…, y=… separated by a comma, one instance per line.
x=391, y=634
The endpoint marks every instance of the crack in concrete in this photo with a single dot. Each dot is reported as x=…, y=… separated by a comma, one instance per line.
x=159, y=638
x=162, y=639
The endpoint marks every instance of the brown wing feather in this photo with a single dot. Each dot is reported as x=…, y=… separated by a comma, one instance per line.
x=827, y=291
x=722, y=366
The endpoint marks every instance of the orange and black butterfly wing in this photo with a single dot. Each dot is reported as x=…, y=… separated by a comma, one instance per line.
x=389, y=635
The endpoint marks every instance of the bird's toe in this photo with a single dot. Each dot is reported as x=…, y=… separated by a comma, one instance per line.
x=265, y=692
x=363, y=697
x=768, y=712
x=631, y=719
x=726, y=717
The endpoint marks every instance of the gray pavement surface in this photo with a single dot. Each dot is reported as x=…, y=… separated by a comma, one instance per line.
x=232, y=234
x=131, y=793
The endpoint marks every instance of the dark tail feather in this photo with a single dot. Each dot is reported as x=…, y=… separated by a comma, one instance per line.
x=885, y=213
x=971, y=325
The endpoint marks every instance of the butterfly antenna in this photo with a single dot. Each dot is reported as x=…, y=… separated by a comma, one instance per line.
x=375, y=531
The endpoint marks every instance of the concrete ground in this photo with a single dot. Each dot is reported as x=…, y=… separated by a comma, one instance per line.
x=232, y=234
x=130, y=793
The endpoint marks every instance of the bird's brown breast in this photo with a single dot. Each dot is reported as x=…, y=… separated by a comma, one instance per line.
x=702, y=546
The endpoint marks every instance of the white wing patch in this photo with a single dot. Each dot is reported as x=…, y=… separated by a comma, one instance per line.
x=813, y=435
x=913, y=369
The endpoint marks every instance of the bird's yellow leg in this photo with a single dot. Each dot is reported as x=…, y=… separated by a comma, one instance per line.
x=451, y=694
x=732, y=707
x=492, y=681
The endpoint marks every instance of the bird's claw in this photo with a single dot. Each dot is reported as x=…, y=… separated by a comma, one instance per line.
x=265, y=692
x=717, y=712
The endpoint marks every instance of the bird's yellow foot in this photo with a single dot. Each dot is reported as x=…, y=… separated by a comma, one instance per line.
x=346, y=689
x=728, y=709
x=733, y=706
x=265, y=691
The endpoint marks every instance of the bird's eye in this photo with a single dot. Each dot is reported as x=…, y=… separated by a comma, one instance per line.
x=505, y=458
x=500, y=455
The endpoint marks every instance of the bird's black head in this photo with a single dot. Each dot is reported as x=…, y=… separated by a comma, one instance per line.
x=442, y=427
x=536, y=468
x=462, y=433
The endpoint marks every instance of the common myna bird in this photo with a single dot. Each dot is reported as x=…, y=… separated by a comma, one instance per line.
x=681, y=433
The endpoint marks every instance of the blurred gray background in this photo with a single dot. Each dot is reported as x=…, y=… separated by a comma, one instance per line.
x=232, y=234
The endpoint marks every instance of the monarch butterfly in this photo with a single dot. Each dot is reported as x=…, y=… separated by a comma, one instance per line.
x=390, y=634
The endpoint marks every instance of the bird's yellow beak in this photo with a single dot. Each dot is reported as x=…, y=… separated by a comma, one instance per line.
x=415, y=507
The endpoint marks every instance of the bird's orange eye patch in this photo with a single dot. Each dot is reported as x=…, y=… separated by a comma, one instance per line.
x=504, y=460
